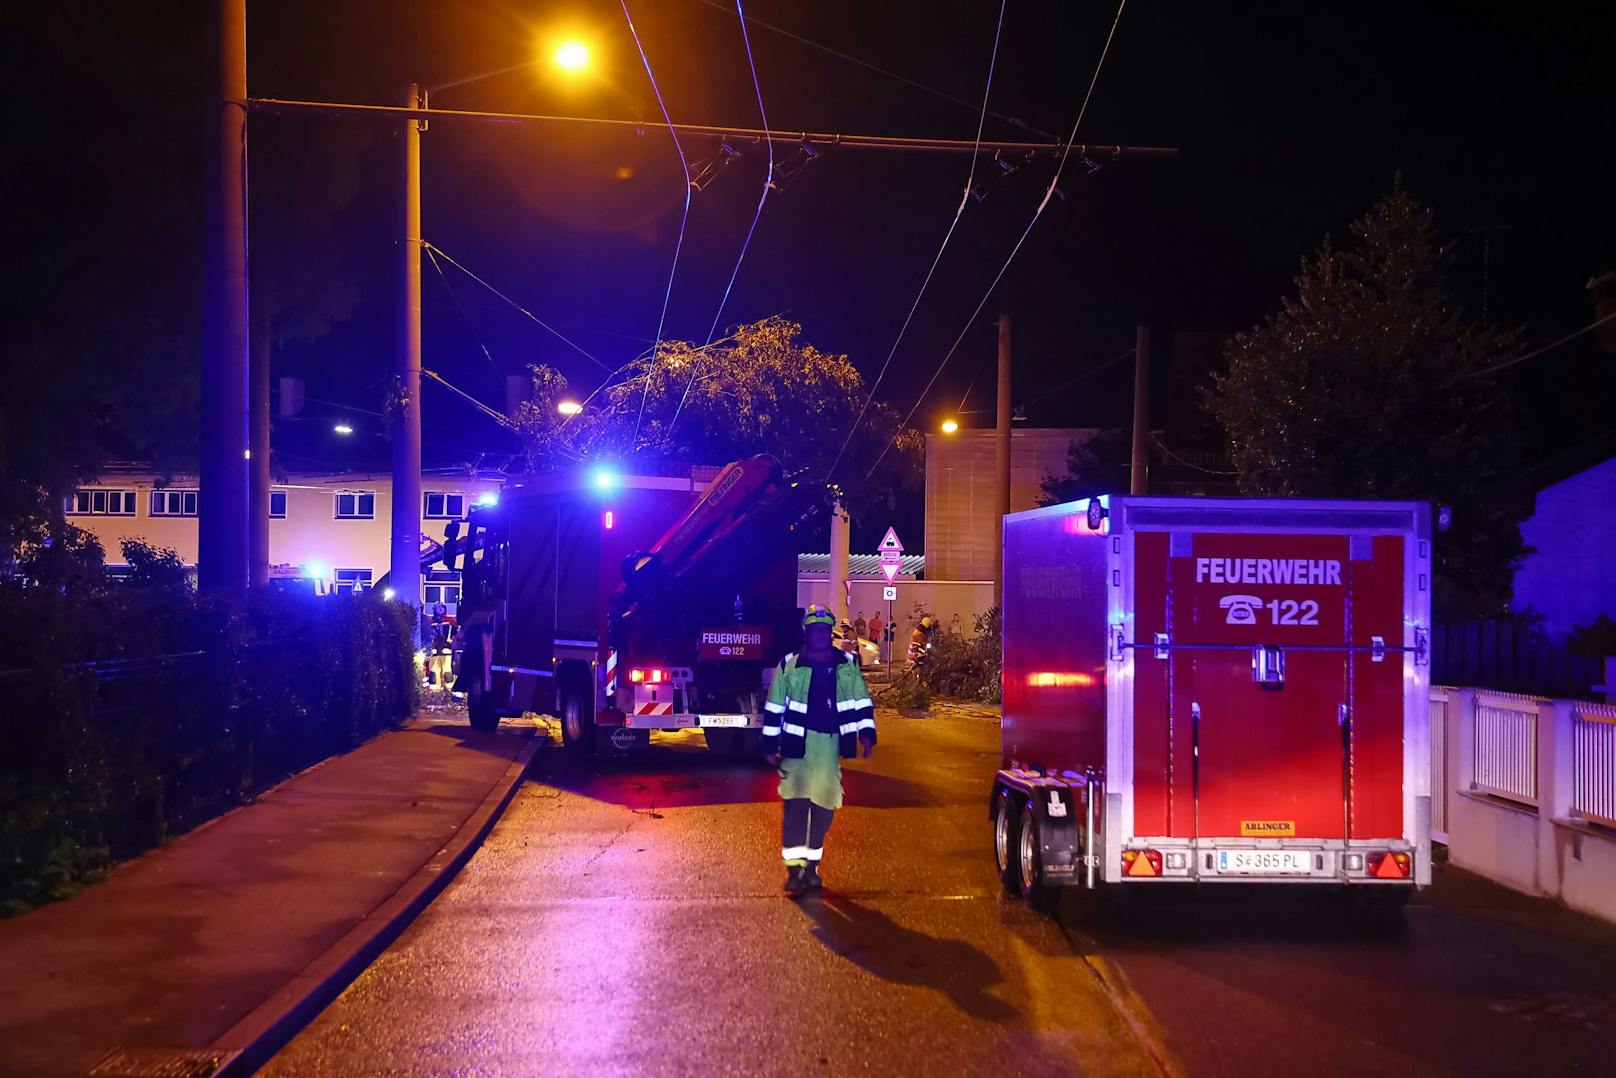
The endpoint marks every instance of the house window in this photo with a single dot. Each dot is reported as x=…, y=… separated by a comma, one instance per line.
x=441, y=505
x=356, y=505
x=102, y=503
x=442, y=586
x=173, y=503
x=352, y=581
x=277, y=505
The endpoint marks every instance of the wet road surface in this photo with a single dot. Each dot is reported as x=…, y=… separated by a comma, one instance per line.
x=625, y=918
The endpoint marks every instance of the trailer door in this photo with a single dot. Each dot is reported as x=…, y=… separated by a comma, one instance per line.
x=1258, y=685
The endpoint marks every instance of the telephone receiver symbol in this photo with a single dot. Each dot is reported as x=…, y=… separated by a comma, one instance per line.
x=1242, y=609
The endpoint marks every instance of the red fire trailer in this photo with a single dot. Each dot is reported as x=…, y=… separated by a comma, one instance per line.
x=1210, y=690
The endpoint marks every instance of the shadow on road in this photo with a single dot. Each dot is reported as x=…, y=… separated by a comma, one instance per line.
x=875, y=942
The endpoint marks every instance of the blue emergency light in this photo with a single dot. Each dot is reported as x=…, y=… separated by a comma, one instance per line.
x=603, y=478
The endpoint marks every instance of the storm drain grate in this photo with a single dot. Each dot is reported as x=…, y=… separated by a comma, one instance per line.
x=1564, y=1008
x=162, y=1063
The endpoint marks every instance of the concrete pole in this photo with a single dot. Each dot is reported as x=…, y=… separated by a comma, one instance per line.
x=838, y=562
x=1139, y=477
x=406, y=532
x=222, y=527
x=1001, y=460
x=258, y=463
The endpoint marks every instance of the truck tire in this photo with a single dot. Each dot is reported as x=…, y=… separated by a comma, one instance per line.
x=577, y=718
x=480, y=710
x=1005, y=832
x=1030, y=865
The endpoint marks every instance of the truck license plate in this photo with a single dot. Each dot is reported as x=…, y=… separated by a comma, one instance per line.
x=723, y=720
x=1265, y=862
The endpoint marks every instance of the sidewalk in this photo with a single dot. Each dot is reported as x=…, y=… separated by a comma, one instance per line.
x=217, y=940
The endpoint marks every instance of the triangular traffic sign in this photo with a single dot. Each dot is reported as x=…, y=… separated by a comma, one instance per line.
x=889, y=570
x=890, y=540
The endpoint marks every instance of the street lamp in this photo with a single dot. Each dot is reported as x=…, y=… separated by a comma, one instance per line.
x=343, y=428
x=571, y=56
x=950, y=426
x=569, y=407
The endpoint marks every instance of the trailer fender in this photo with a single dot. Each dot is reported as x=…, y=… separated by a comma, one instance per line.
x=1058, y=807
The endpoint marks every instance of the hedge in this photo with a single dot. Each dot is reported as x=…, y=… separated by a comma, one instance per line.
x=133, y=713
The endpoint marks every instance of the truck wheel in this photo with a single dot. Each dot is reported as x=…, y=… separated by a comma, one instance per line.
x=481, y=711
x=577, y=720
x=725, y=742
x=1004, y=842
x=1030, y=865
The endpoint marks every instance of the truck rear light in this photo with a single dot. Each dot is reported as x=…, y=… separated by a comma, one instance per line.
x=650, y=676
x=1141, y=863
x=1389, y=866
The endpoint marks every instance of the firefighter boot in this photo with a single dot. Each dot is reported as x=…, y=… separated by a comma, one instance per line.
x=810, y=877
x=796, y=881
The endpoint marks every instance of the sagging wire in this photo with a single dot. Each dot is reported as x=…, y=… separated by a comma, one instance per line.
x=463, y=316
x=1042, y=205
x=684, y=219
x=965, y=197
x=768, y=185
x=431, y=248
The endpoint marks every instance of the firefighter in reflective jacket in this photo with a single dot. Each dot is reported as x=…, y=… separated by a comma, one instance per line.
x=818, y=711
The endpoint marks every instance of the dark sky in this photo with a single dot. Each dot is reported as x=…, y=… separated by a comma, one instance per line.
x=1291, y=119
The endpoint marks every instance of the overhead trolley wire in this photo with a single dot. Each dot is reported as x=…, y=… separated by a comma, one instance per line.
x=684, y=219
x=463, y=316
x=1042, y=205
x=931, y=271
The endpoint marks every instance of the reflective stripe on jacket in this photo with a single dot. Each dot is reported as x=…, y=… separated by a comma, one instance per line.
x=783, y=730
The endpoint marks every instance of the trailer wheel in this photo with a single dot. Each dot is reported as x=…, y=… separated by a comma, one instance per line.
x=480, y=710
x=577, y=719
x=1004, y=841
x=1030, y=865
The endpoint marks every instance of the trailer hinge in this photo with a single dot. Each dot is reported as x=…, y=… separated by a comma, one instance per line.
x=1422, y=647
x=1161, y=644
x=1377, y=649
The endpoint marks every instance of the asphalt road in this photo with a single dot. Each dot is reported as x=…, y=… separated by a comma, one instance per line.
x=626, y=919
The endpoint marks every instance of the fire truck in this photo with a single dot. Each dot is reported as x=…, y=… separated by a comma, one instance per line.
x=1208, y=691
x=631, y=602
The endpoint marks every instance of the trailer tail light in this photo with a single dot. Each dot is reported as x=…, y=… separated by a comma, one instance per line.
x=648, y=677
x=1389, y=866
x=1141, y=863
x=608, y=520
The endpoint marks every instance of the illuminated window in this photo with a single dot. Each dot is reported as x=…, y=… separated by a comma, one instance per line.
x=101, y=503
x=352, y=581
x=356, y=505
x=277, y=505
x=441, y=505
x=173, y=503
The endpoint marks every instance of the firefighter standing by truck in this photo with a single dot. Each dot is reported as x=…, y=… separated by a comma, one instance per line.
x=819, y=711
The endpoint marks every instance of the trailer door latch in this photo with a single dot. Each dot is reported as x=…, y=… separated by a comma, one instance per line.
x=1268, y=666
x=1161, y=645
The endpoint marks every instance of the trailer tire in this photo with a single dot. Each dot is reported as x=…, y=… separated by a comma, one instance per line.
x=1030, y=865
x=480, y=710
x=1005, y=831
x=577, y=718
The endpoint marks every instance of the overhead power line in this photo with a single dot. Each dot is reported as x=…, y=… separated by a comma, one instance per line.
x=1042, y=205
x=1073, y=381
x=569, y=342
x=717, y=131
x=965, y=198
x=906, y=80
x=447, y=287
x=1569, y=337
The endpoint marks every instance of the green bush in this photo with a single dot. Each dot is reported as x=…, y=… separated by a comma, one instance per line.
x=136, y=711
x=965, y=667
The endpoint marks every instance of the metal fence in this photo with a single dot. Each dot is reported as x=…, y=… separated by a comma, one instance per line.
x=1505, y=744
x=1593, y=756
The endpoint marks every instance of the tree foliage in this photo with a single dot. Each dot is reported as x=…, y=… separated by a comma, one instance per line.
x=1095, y=465
x=1363, y=386
x=760, y=390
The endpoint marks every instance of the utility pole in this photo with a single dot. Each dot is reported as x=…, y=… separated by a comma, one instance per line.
x=1001, y=460
x=406, y=408
x=222, y=527
x=839, y=544
x=258, y=460
x=1139, y=477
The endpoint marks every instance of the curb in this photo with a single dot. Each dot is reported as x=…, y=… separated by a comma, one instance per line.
x=252, y=1041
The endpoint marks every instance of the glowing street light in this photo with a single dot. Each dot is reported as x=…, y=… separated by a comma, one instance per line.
x=569, y=407
x=343, y=428
x=950, y=426
x=571, y=56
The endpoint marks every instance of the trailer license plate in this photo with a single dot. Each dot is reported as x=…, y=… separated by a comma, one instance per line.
x=723, y=720
x=1265, y=862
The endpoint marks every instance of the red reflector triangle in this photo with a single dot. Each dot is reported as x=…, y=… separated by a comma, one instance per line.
x=1141, y=866
x=1389, y=869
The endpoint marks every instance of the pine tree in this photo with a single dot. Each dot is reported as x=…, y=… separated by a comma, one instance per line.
x=1360, y=387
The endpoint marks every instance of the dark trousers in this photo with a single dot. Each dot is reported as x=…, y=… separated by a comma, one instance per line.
x=803, y=825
